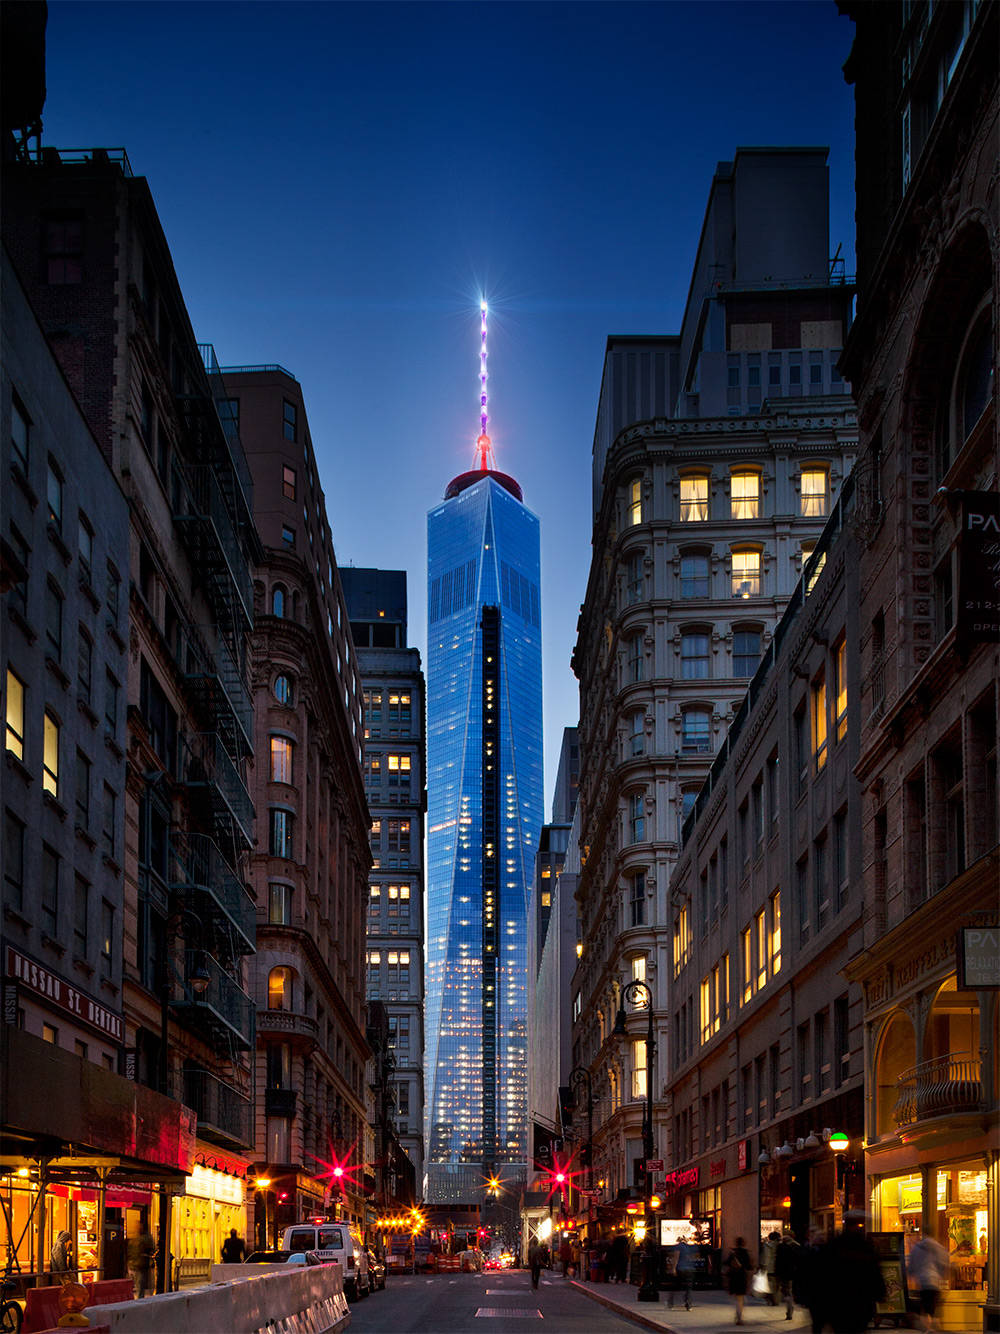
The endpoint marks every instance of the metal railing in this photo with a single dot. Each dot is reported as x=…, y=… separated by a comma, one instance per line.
x=218, y=665
x=222, y=1111
x=946, y=1084
x=203, y=761
x=223, y=1001
x=200, y=510
x=197, y=864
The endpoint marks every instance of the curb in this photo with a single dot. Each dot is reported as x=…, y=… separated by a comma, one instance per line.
x=637, y=1317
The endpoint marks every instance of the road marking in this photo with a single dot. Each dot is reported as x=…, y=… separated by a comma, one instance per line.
x=513, y=1312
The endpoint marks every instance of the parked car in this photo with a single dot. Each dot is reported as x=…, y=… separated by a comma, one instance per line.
x=284, y=1257
x=376, y=1270
x=334, y=1241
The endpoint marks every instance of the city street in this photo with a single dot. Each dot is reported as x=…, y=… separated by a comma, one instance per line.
x=493, y=1303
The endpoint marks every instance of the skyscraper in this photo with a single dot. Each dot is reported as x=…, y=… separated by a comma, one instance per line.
x=484, y=767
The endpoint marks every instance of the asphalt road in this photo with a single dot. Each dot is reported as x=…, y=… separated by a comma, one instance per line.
x=493, y=1303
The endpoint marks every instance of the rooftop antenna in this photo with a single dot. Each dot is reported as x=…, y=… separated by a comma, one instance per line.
x=484, y=445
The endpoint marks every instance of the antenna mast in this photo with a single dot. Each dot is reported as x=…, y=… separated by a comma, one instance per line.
x=483, y=444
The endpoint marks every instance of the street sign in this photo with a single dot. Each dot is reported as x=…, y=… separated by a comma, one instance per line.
x=654, y=1164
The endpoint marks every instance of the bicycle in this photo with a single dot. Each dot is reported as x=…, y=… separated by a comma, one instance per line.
x=11, y=1315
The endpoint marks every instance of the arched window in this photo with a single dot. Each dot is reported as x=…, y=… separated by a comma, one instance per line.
x=279, y=989
x=277, y=600
x=895, y=1091
x=283, y=690
x=634, y=504
x=971, y=389
x=744, y=493
x=694, y=497
x=746, y=572
x=814, y=495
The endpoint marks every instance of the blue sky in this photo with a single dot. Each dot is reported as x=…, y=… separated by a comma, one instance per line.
x=340, y=183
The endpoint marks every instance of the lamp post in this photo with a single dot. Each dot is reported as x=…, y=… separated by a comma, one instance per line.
x=581, y=1075
x=649, y=1291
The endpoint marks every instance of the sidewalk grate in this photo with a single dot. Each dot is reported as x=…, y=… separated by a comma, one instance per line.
x=512, y=1312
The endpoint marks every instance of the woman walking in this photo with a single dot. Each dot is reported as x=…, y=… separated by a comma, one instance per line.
x=738, y=1270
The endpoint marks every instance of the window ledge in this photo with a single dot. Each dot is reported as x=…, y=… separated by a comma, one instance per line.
x=86, y=710
x=55, y=670
x=53, y=945
x=87, y=589
x=29, y=634
x=55, y=537
x=12, y=915
x=82, y=966
x=85, y=837
x=18, y=475
x=109, y=986
x=19, y=767
x=111, y=864
x=55, y=804
x=113, y=746
x=114, y=636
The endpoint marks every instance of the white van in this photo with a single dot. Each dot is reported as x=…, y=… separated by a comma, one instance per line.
x=334, y=1241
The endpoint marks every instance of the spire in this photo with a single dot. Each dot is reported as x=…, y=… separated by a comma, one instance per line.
x=483, y=444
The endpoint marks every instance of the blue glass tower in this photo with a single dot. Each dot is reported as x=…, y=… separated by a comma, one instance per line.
x=484, y=785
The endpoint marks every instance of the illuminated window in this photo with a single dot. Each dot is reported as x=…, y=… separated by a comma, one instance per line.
x=705, y=1009
x=374, y=899
x=399, y=764
x=746, y=964
x=638, y=967
x=638, y=1068
x=840, y=688
x=287, y=479
x=817, y=717
x=279, y=904
x=746, y=573
x=760, y=924
x=282, y=751
x=50, y=756
x=279, y=989
x=694, y=498
x=814, y=496
x=635, y=502
x=682, y=938
x=745, y=495
x=15, y=715
x=774, y=943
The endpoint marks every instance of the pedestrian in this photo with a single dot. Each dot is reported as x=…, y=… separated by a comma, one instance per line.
x=233, y=1249
x=535, y=1261
x=618, y=1258
x=851, y=1279
x=565, y=1256
x=767, y=1261
x=807, y=1282
x=684, y=1272
x=928, y=1267
x=61, y=1257
x=141, y=1253
x=738, y=1268
x=786, y=1263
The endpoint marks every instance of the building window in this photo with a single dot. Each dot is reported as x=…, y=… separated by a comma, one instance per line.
x=840, y=688
x=637, y=733
x=633, y=578
x=696, y=732
x=746, y=573
x=84, y=667
x=636, y=817
x=81, y=914
x=817, y=719
x=374, y=960
x=20, y=431
x=802, y=899
x=694, y=498
x=745, y=495
x=695, y=575
x=279, y=989
x=760, y=932
x=637, y=899
x=13, y=861
x=639, y=1071
x=287, y=481
x=50, y=756
x=635, y=502
x=107, y=937
x=746, y=965
x=821, y=891
x=109, y=817
x=814, y=497
x=53, y=621
x=400, y=709
x=283, y=690
x=111, y=689
x=15, y=715
x=82, y=791
x=746, y=652
x=634, y=670
x=282, y=751
x=277, y=600
x=694, y=655
x=689, y=799
x=774, y=937
x=54, y=497
x=279, y=904
x=62, y=250
x=289, y=418
x=112, y=593
x=682, y=938
x=50, y=891
x=282, y=828
x=840, y=857
x=288, y=537
x=85, y=544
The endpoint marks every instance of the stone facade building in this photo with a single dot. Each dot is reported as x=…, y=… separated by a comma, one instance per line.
x=310, y=866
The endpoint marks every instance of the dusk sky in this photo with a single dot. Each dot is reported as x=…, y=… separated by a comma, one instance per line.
x=340, y=184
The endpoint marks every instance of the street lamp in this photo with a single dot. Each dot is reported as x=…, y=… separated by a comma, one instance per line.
x=581, y=1075
x=649, y=1291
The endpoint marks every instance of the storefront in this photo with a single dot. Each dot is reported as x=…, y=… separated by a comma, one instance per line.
x=212, y=1204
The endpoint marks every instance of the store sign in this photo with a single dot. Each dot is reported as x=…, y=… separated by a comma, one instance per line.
x=682, y=1179
x=210, y=1185
x=717, y=1168
x=978, y=612
x=58, y=992
x=979, y=957
x=742, y=1154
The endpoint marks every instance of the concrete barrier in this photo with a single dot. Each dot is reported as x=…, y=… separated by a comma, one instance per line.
x=309, y=1300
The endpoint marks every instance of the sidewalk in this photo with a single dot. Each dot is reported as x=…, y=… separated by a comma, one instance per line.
x=711, y=1311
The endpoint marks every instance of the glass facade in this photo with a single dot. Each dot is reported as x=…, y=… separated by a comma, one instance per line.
x=485, y=798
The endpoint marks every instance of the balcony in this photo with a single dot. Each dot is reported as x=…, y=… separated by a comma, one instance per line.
x=224, y=1114
x=206, y=527
x=217, y=683
x=942, y=1087
x=279, y=1102
x=205, y=767
x=223, y=1012
x=287, y=1023
x=200, y=874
